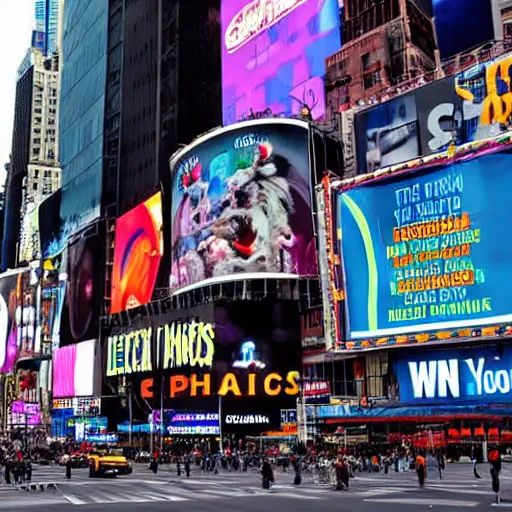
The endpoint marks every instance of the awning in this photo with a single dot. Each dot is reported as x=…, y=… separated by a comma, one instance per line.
x=333, y=414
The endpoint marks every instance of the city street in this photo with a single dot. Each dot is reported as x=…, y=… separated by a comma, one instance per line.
x=208, y=492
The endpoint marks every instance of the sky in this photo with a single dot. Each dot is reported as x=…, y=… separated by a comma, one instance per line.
x=16, y=24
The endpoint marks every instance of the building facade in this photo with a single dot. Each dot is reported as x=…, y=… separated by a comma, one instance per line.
x=384, y=44
x=43, y=171
x=48, y=14
x=20, y=151
x=82, y=108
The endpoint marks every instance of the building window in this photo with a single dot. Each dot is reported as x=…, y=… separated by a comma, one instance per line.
x=34, y=185
x=365, y=59
x=47, y=174
x=376, y=375
x=371, y=79
x=36, y=174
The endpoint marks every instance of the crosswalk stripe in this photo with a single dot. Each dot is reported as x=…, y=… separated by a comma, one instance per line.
x=419, y=501
x=296, y=496
x=73, y=499
x=228, y=493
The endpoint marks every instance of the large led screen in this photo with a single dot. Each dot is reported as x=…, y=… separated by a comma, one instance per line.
x=460, y=29
x=85, y=267
x=469, y=374
x=273, y=55
x=137, y=254
x=429, y=251
x=73, y=370
x=241, y=204
x=247, y=352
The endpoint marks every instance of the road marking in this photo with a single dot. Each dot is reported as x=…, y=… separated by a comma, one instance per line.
x=295, y=496
x=228, y=494
x=425, y=502
x=73, y=499
x=444, y=488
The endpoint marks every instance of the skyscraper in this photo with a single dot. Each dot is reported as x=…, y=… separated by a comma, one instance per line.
x=47, y=21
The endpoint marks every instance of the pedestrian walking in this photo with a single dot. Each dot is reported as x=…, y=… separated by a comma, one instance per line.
x=440, y=464
x=187, y=467
x=421, y=468
x=68, y=468
x=495, y=462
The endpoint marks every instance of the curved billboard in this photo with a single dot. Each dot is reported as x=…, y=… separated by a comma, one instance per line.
x=241, y=203
x=429, y=251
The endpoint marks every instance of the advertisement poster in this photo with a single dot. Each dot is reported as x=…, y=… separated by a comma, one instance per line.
x=30, y=243
x=468, y=375
x=9, y=329
x=273, y=55
x=137, y=254
x=26, y=309
x=467, y=107
x=241, y=204
x=428, y=251
x=246, y=352
x=73, y=370
x=51, y=226
x=387, y=134
x=80, y=316
x=440, y=116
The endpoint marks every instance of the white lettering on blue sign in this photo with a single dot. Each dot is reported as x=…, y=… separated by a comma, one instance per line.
x=441, y=379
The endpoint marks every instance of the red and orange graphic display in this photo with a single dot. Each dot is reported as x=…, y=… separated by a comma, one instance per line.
x=137, y=254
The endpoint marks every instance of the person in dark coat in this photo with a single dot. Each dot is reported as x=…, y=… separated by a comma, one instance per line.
x=187, y=467
x=68, y=468
x=267, y=474
x=8, y=469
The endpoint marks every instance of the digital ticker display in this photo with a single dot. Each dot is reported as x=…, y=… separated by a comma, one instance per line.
x=273, y=55
x=429, y=251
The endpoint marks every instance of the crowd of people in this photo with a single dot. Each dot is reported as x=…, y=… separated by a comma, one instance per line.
x=336, y=465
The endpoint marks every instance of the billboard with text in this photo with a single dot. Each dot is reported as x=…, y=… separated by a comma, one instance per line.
x=246, y=352
x=427, y=250
x=273, y=55
x=468, y=374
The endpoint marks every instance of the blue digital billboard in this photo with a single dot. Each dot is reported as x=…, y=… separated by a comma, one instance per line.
x=460, y=29
x=428, y=251
x=462, y=375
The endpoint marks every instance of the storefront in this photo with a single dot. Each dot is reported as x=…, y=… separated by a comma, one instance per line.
x=455, y=398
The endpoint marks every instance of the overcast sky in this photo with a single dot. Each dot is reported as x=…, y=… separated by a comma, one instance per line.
x=16, y=23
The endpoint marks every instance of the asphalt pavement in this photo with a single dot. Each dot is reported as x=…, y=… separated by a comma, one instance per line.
x=143, y=489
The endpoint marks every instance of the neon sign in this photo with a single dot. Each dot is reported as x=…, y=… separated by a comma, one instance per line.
x=201, y=385
x=247, y=358
x=181, y=344
x=255, y=18
x=247, y=419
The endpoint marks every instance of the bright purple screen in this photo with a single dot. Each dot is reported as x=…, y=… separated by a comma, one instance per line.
x=276, y=64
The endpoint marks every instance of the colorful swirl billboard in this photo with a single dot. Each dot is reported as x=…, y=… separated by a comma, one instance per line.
x=429, y=250
x=273, y=55
x=137, y=254
x=241, y=204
